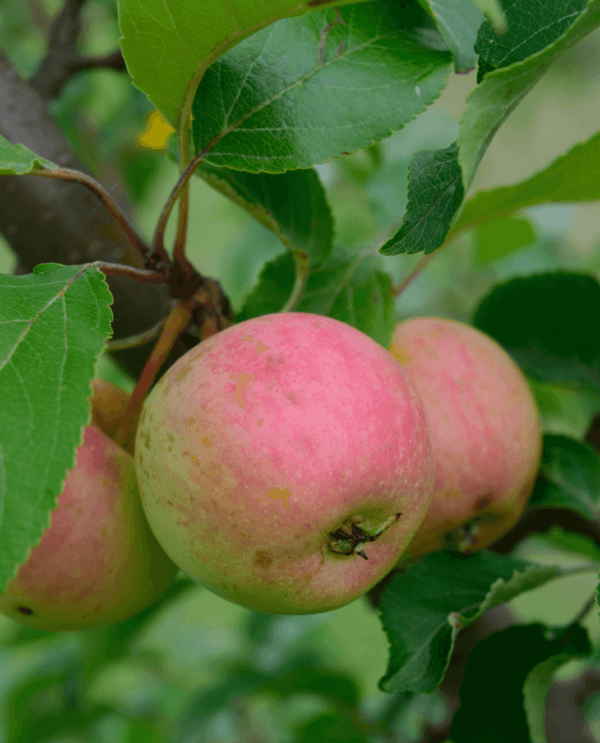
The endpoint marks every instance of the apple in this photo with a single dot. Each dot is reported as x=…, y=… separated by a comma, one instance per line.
x=109, y=403
x=285, y=463
x=98, y=562
x=485, y=431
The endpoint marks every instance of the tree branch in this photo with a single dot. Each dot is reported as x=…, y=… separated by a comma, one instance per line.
x=62, y=60
x=50, y=221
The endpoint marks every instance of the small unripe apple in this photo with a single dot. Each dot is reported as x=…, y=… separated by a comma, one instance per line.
x=98, y=562
x=285, y=463
x=485, y=431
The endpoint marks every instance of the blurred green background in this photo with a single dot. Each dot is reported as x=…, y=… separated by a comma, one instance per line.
x=198, y=668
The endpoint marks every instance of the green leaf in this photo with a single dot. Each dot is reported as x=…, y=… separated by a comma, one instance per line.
x=311, y=88
x=54, y=324
x=570, y=542
x=458, y=21
x=16, y=159
x=350, y=287
x=424, y=608
x=570, y=477
x=434, y=199
x=506, y=682
x=572, y=177
x=497, y=239
x=168, y=45
x=435, y=193
x=329, y=727
x=540, y=31
x=293, y=205
x=546, y=323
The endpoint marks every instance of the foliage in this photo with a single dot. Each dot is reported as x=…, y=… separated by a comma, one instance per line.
x=322, y=150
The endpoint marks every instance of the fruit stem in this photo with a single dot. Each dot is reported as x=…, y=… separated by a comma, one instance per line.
x=344, y=542
x=178, y=320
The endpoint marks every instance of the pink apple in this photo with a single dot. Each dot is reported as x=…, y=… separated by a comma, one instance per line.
x=485, y=431
x=278, y=454
x=98, y=562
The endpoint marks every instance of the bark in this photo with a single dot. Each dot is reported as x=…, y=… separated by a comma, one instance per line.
x=52, y=221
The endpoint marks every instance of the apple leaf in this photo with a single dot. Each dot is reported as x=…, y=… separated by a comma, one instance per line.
x=424, y=608
x=544, y=322
x=510, y=66
x=570, y=542
x=570, y=477
x=168, y=45
x=54, y=325
x=497, y=239
x=16, y=159
x=572, y=177
x=459, y=22
x=280, y=99
x=351, y=287
x=510, y=704
x=435, y=193
x=293, y=205
x=539, y=31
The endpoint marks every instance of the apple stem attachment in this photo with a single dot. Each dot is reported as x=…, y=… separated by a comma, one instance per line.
x=465, y=538
x=352, y=541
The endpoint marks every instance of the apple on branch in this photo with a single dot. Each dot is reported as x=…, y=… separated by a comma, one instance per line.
x=285, y=463
x=485, y=431
x=98, y=562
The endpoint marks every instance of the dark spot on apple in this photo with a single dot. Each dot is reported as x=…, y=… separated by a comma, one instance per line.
x=483, y=502
x=263, y=559
x=25, y=610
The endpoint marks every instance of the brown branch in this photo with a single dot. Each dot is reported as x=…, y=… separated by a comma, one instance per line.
x=49, y=222
x=77, y=176
x=136, y=274
x=62, y=60
x=158, y=241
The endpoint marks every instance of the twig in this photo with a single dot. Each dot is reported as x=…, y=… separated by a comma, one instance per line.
x=62, y=60
x=143, y=275
x=63, y=37
x=136, y=340
x=76, y=176
x=423, y=263
x=46, y=220
x=158, y=241
x=184, y=201
x=175, y=325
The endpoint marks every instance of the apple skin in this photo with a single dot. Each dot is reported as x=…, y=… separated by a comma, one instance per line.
x=485, y=431
x=263, y=441
x=98, y=562
x=109, y=403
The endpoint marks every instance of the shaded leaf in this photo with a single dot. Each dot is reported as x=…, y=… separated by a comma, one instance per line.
x=570, y=477
x=499, y=238
x=501, y=705
x=545, y=323
x=349, y=287
x=293, y=205
x=571, y=542
x=424, y=608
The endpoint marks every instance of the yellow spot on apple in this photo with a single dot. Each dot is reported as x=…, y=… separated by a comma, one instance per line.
x=280, y=494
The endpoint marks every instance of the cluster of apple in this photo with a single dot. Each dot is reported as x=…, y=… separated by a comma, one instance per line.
x=288, y=463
